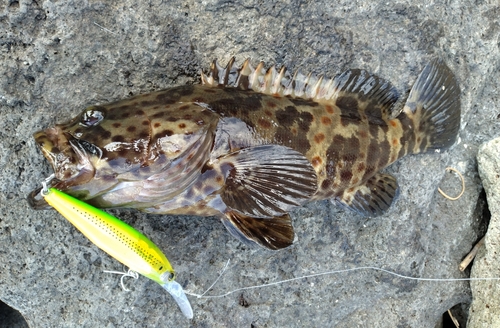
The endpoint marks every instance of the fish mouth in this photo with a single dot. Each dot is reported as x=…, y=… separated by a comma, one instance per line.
x=36, y=200
x=69, y=161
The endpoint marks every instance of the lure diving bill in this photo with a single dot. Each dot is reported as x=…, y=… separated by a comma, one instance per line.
x=121, y=241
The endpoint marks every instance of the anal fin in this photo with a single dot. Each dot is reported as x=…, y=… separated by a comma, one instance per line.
x=273, y=233
x=372, y=198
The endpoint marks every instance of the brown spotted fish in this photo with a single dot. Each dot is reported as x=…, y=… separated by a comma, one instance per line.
x=249, y=145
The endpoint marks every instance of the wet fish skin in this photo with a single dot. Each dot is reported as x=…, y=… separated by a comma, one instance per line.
x=249, y=145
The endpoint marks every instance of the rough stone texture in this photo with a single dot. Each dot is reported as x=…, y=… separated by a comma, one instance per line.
x=485, y=307
x=11, y=318
x=56, y=57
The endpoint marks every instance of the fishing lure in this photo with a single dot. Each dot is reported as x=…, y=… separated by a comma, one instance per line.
x=121, y=241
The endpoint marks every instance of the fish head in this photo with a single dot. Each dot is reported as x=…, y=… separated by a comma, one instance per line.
x=124, y=143
x=78, y=151
x=68, y=155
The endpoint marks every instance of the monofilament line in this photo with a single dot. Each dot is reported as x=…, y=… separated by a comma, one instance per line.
x=331, y=273
x=129, y=273
x=213, y=284
x=105, y=29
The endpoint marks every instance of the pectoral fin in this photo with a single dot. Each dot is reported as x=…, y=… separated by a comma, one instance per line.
x=273, y=233
x=266, y=181
x=372, y=198
x=262, y=183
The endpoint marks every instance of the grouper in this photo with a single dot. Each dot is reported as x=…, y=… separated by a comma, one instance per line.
x=249, y=145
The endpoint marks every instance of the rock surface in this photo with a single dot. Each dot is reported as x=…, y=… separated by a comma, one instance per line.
x=56, y=57
x=485, y=307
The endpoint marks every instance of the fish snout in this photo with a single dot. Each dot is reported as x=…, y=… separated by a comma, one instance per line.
x=50, y=140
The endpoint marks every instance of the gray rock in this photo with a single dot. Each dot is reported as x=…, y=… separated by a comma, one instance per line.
x=485, y=307
x=11, y=318
x=56, y=57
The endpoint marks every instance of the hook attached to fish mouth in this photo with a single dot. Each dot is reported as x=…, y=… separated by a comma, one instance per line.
x=36, y=199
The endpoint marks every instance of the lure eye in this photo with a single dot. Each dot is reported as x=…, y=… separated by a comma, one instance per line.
x=91, y=117
x=168, y=276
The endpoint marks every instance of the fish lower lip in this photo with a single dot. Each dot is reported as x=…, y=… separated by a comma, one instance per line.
x=36, y=200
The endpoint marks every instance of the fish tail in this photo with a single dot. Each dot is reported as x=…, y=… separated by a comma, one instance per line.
x=433, y=108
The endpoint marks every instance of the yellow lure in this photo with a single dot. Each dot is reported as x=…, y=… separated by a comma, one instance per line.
x=121, y=241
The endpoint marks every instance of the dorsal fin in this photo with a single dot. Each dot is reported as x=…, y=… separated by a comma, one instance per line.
x=373, y=95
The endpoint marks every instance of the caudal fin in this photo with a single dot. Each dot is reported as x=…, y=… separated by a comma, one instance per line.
x=434, y=107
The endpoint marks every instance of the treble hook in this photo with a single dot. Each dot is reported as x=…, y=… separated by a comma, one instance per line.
x=130, y=273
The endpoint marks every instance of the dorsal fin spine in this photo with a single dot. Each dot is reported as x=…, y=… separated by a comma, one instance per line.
x=309, y=86
x=316, y=89
x=279, y=81
x=268, y=80
x=203, y=78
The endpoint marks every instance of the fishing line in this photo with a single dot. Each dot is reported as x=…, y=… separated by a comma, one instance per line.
x=129, y=273
x=213, y=284
x=275, y=283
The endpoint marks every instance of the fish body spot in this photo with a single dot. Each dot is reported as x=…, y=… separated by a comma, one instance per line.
x=106, y=134
x=118, y=138
x=271, y=104
x=264, y=123
x=319, y=138
x=326, y=184
x=316, y=161
x=326, y=120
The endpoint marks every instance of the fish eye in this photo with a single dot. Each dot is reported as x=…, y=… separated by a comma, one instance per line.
x=91, y=117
